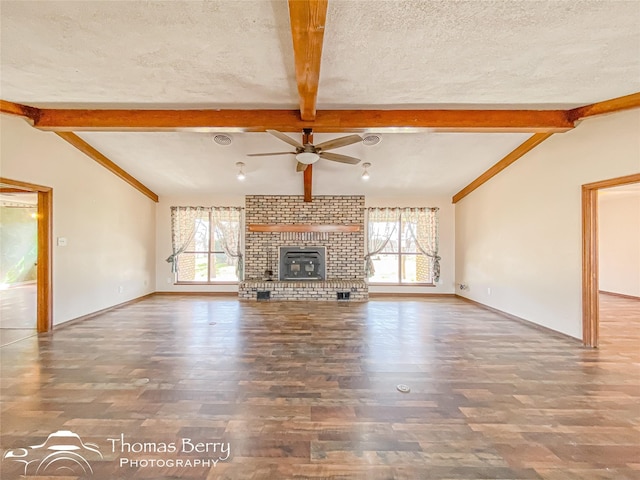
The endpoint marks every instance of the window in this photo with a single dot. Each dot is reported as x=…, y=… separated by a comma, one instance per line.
x=402, y=245
x=206, y=244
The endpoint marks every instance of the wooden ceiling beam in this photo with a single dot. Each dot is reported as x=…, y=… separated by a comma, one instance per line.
x=308, y=180
x=327, y=121
x=307, y=173
x=308, y=18
x=600, y=108
x=94, y=154
x=525, y=147
x=31, y=114
x=608, y=106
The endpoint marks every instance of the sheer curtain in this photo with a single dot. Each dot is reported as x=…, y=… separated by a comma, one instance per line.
x=381, y=225
x=227, y=222
x=423, y=227
x=184, y=223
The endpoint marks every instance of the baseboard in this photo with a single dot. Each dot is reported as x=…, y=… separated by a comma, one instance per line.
x=208, y=294
x=409, y=295
x=73, y=321
x=621, y=295
x=520, y=320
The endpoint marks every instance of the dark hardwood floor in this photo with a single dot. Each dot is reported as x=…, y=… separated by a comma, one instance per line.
x=308, y=390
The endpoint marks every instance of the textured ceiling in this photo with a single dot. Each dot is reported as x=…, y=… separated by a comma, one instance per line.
x=540, y=53
x=377, y=54
x=139, y=52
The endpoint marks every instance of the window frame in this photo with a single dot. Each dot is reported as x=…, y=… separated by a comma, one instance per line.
x=209, y=254
x=399, y=227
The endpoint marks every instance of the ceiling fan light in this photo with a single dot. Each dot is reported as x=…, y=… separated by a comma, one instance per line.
x=240, y=176
x=307, y=157
x=365, y=174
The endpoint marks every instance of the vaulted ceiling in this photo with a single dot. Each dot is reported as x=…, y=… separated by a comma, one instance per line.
x=389, y=56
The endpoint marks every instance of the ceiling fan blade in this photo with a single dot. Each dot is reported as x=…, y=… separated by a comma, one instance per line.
x=285, y=138
x=339, y=142
x=336, y=157
x=301, y=167
x=267, y=154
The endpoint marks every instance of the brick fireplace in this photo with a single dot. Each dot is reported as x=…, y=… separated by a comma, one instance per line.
x=334, y=224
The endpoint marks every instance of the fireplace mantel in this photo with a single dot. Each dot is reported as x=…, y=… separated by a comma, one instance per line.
x=299, y=227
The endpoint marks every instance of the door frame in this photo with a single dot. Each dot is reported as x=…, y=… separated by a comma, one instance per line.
x=590, y=300
x=44, y=286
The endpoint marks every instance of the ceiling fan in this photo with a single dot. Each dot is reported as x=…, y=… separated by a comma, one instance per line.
x=308, y=153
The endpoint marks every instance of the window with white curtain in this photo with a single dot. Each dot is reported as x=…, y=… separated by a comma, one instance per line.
x=402, y=246
x=206, y=244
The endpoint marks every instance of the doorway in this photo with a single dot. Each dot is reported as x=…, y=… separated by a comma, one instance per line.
x=25, y=270
x=590, y=256
x=619, y=268
x=18, y=263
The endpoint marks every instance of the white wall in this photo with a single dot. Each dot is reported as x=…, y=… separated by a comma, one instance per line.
x=519, y=235
x=619, y=241
x=109, y=226
x=446, y=222
x=164, y=277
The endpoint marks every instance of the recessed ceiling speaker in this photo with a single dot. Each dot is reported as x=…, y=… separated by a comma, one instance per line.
x=222, y=139
x=371, y=139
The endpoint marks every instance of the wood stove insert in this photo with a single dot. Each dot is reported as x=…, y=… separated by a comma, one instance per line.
x=302, y=263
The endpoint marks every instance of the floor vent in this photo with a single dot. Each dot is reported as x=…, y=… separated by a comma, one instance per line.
x=263, y=295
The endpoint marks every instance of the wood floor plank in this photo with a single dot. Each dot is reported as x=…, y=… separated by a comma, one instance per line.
x=308, y=390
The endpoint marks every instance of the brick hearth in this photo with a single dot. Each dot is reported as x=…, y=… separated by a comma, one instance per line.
x=307, y=290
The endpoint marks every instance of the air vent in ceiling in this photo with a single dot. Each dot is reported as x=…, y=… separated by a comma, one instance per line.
x=371, y=139
x=222, y=139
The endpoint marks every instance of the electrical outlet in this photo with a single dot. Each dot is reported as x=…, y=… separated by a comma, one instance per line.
x=120, y=289
x=488, y=290
x=169, y=280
